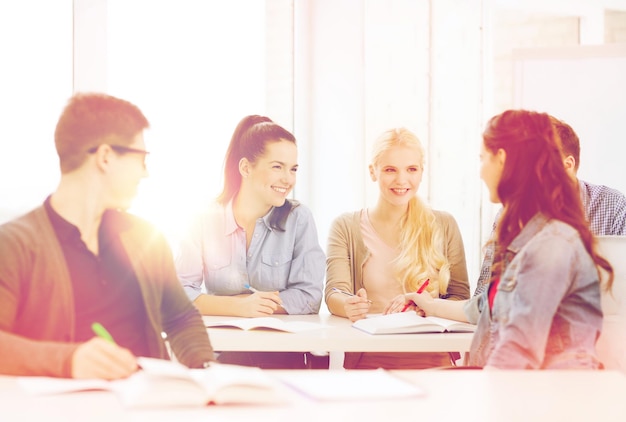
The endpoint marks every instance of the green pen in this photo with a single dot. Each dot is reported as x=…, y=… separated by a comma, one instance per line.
x=102, y=332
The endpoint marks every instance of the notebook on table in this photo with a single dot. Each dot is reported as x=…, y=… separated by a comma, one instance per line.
x=410, y=322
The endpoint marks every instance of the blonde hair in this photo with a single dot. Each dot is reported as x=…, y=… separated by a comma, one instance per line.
x=421, y=240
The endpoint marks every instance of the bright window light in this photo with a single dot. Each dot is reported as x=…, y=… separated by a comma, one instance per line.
x=35, y=82
x=195, y=68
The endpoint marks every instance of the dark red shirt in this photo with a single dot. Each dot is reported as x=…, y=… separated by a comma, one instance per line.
x=105, y=286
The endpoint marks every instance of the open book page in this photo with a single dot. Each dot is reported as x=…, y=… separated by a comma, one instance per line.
x=235, y=384
x=268, y=323
x=50, y=385
x=452, y=325
x=160, y=383
x=408, y=322
x=170, y=383
x=144, y=389
x=367, y=385
x=163, y=383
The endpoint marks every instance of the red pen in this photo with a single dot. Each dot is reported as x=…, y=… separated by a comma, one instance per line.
x=420, y=290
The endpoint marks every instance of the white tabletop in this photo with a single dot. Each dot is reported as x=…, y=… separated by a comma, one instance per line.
x=337, y=334
x=451, y=395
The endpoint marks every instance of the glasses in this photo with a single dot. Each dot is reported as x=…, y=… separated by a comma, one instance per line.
x=121, y=149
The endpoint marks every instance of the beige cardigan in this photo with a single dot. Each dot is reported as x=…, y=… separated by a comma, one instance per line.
x=346, y=254
x=37, y=302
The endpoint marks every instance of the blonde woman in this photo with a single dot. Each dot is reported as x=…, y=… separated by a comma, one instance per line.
x=392, y=248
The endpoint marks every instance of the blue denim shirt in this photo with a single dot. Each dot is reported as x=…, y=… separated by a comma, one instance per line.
x=547, y=311
x=291, y=262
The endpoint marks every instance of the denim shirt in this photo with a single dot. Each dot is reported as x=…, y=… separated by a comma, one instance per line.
x=547, y=311
x=291, y=262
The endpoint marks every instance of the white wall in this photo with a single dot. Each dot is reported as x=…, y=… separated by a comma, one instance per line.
x=195, y=68
x=35, y=82
x=586, y=87
x=352, y=69
x=407, y=63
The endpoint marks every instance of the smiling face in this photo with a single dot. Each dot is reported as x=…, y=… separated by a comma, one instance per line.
x=272, y=176
x=398, y=171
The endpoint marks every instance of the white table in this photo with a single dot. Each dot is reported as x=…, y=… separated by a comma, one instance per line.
x=451, y=395
x=337, y=336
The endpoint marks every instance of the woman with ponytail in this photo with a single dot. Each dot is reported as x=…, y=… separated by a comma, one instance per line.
x=255, y=252
x=541, y=309
x=392, y=248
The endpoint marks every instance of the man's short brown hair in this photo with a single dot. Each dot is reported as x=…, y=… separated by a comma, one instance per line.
x=570, y=143
x=89, y=120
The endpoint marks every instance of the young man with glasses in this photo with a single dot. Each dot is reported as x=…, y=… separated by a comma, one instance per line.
x=80, y=259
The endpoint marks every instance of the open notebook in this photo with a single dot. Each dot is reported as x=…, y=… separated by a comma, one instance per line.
x=265, y=323
x=410, y=322
x=164, y=383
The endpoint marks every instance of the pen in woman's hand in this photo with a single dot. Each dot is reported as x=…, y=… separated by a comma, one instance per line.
x=249, y=287
x=346, y=293
x=253, y=290
x=420, y=290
